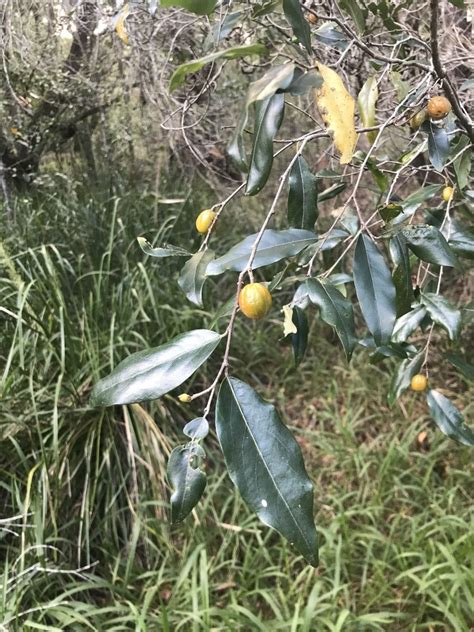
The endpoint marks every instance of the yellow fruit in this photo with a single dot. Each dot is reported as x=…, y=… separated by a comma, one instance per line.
x=204, y=221
x=418, y=119
x=438, y=107
x=419, y=382
x=447, y=193
x=255, y=301
x=185, y=398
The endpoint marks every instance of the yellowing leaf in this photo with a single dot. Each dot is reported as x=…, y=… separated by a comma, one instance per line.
x=289, y=326
x=366, y=101
x=337, y=108
x=120, y=24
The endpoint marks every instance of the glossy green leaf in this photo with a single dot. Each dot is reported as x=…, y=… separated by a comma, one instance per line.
x=273, y=246
x=375, y=289
x=428, y=244
x=465, y=368
x=462, y=164
x=201, y=7
x=402, y=274
x=181, y=72
x=441, y=311
x=352, y=8
x=302, y=196
x=438, y=145
x=294, y=14
x=268, y=118
x=334, y=308
x=413, y=202
x=448, y=418
x=197, y=428
x=460, y=238
x=265, y=464
x=187, y=480
x=323, y=244
x=277, y=78
x=149, y=374
x=366, y=101
x=332, y=191
x=402, y=377
x=164, y=251
x=408, y=323
x=193, y=275
x=299, y=340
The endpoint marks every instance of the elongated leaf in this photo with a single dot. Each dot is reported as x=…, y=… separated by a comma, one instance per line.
x=408, y=323
x=164, y=251
x=187, y=481
x=277, y=78
x=402, y=274
x=302, y=197
x=438, y=145
x=366, y=101
x=299, y=340
x=327, y=34
x=375, y=289
x=461, y=239
x=274, y=246
x=150, y=374
x=414, y=201
x=352, y=8
x=335, y=310
x=337, y=109
x=332, y=191
x=181, y=72
x=193, y=275
x=448, y=418
x=265, y=464
x=465, y=368
x=428, y=244
x=302, y=82
x=462, y=164
x=201, y=7
x=294, y=14
x=442, y=312
x=402, y=377
x=268, y=117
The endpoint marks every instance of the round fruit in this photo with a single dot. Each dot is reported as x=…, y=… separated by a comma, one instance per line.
x=311, y=18
x=419, y=382
x=255, y=301
x=438, y=107
x=418, y=119
x=204, y=221
x=447, y=193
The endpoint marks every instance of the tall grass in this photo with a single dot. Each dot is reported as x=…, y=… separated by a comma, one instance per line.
x=84, y=538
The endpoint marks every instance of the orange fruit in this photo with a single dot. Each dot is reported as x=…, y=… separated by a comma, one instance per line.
x=438, y=107
x=419, y=383
x=255, y=301
x=204, y=221
x=311, y=18
x=447, y=193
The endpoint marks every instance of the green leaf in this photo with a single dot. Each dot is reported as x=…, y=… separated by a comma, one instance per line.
x=414, y=201
x=460, y=239
x=353, y=9
x=165, y=251
x=302, y=82
x=442, y=312
x=402, y=274
x=197, y=428
x=265, y=464
x=448, y=418
x=327, y=34
x=375, y=289
x=277, y=78
x=366, y=101
x=438, y=145
x=302, y=197
x=268, y=118
x=187, y=481
x=273, y=246
x=402, y=377
x=335, y=310
x=149, y=374
x=462, y=164
x=428, y=244
x=224, y=28
x=189, y=67
x=299, y=340
x=294, y=15
x=201, y=7
x=332, y=191
x=193, y=275
x=465, y=368
x=265, y=8
x=408, y=323
x=323, y=244
x=458, y=3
